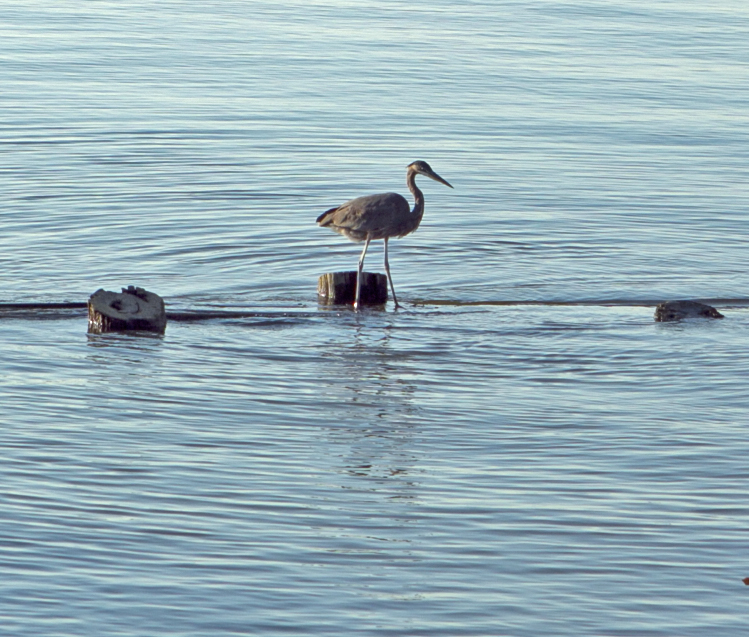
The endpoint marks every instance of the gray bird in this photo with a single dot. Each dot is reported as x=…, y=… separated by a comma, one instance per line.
x=380, y=217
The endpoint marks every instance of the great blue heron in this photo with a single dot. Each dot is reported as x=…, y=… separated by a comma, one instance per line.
x=380, y=217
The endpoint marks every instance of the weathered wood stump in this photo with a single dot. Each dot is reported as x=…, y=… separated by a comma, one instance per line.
x=678, y=310
x=340, y=287
x=134, y=309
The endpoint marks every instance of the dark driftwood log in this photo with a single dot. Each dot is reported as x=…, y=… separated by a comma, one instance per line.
x=340, y=287
x=134, y=309
x=678, y=310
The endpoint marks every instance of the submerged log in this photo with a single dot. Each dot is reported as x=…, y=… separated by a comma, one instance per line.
x=134, y=309
x=678, y=310
x=340, y=287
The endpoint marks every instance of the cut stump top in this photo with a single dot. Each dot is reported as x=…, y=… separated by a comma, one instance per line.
x=133, y=309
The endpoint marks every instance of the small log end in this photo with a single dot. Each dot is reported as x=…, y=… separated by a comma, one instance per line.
x=679, y=310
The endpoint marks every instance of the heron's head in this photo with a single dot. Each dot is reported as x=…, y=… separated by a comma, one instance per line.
x=422, y=168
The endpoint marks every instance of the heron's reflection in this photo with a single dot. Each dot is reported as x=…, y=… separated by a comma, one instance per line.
x=373, y=379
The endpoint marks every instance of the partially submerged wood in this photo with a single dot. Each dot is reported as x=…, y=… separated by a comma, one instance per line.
x=340, y=288
x=134, y=309
x=678, y=310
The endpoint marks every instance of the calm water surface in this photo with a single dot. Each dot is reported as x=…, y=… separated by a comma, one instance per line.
x=520, y=451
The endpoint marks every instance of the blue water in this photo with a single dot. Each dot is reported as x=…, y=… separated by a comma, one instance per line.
x=520, y=450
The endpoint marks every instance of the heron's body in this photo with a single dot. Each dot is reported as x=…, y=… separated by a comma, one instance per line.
x=382, y=216
x=379, y=216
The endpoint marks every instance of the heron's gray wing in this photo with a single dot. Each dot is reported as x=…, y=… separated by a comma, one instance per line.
x=379, y=215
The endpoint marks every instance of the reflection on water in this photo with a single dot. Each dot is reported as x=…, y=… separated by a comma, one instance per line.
x=373, y=386
x=444, y=461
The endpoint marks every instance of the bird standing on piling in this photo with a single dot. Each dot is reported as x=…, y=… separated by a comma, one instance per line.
x=382, y=216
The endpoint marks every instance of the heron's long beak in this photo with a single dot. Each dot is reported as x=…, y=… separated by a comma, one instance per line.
x=436, y=177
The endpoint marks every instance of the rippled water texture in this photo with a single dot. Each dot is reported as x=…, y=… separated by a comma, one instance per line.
x=521, y=450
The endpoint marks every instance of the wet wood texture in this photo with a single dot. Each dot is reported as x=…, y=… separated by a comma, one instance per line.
x=338, y=288
x=134, y=309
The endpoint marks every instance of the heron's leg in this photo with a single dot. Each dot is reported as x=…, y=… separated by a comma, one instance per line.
x=390, y=279
x=358, y=273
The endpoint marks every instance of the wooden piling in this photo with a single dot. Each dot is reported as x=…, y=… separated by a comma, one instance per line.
x=134, y=309
x=340, y=288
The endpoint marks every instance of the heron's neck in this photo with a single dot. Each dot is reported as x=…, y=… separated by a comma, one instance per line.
x=418, y=195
